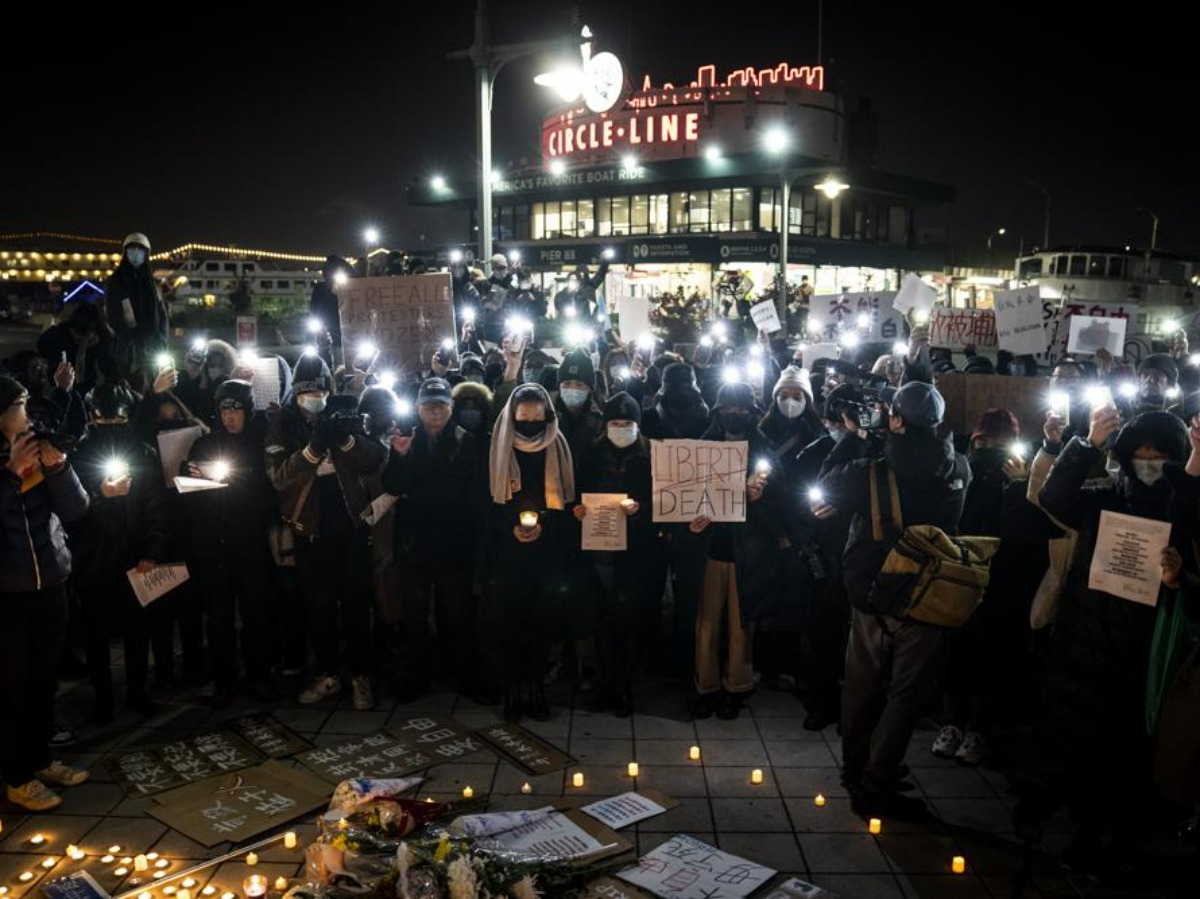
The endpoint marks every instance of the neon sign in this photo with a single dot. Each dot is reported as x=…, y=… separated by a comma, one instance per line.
x=622, y=130
x=706, y=76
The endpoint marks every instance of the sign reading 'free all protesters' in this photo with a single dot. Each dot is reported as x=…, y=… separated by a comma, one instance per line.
x=406, y=318
x=695, y=478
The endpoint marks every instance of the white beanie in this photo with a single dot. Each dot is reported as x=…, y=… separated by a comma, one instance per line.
x=793, y=377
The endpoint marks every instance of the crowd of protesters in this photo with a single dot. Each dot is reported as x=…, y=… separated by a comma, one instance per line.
x=388, y=534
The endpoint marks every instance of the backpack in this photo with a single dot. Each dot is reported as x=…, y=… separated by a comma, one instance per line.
x=927, y=575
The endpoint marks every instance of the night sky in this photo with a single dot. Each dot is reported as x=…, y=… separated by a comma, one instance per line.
x=292, y=133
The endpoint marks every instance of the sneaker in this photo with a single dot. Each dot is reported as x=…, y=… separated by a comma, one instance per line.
x=973, y=749
x=948, y=740
x=323, y=687
x=364, y=699
x=62, y=775
x=34, y=796
x=61, y=736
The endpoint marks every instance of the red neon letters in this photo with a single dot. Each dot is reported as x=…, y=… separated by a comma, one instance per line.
x=655, y=127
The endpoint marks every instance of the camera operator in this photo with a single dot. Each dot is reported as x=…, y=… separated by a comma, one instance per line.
x=322, y=470
x=38, y=490
x=891, y=663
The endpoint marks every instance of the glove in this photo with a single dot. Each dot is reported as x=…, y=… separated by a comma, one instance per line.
x=324, y=437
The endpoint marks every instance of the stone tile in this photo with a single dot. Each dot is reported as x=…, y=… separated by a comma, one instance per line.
x=676, y=781
x=859, y=886
x=651, y=727
x=11, y=868
x=833, y=817
x=1002, y=888
x=91, y=762
x=452, y=777
x=743, y=728
x=842, y=854
x=557, y=730
x=603, y=726
x=808, y=782
x=133, y=835
x=473, y=718
x=731, y=753
x=919, y=853
x=787, y=728
x=304, y=718
x=799, y=753
x=90, y=798
x=509, y=779
x=591, y=751
x=834, y=743
x=60, y=830
x=954, y=782
x=175, y=845
x=663, y=752
x=775, y=850
x=689, y=816
x=735, y=781
x=355, y=722
x=133, y=806
x=758, y=815
x=982, y=813
x=945, y=886
x=775, y=704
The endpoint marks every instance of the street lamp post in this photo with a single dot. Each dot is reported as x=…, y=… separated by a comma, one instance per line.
x=1046, y=217
x=999, y=232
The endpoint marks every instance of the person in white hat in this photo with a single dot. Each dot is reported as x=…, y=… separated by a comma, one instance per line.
x=136, y=311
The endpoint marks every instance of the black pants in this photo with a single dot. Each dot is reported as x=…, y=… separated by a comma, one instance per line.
x=621, y=610
x=514, y=621
x=827, y=627
x=109, y=605
x=335, y=576
x=33, y=628
x=237, y=585
x=287, y=640
x=447, y=593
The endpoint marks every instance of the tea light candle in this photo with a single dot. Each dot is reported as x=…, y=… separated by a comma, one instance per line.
x=76, y=853
x=252, y=858
x=958, y=864
x=208, y=890
x=152, y=855
x=526, y=788
x=528, y=520
x=145, y=895
x=228, y=895
x=875, y=826
x=756, y=776
x=127, y=862
x=468, y=792
x=121, y=872
x=577, y=779
x=113, y=850
x=49, y=863
x=289, y=840
x=188, y=883
x=281, y=884
x=633, y=769
x=819, y=801
x=141, y=863
x=255, y=886
x=37, y=839
x=159, y=875
x=694, y=753
x=108, y=859
x=161, y=863
x=343, y=824
x=168, y=891
x=26, y=876
x=184, y=894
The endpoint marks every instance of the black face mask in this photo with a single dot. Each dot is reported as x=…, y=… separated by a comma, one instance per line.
x=471, y=419
x=171, y=424
x=529, y=429
x=736, y=422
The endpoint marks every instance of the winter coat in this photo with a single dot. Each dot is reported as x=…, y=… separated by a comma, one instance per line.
x=150, y=332
x=323, y=306
x=527, y=304
x=581, y=427
x=290, y=467
x=932, y=480
x=33, y=544
x=98, y=361
x=607, y=469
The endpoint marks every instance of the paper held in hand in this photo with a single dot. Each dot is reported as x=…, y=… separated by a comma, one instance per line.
x=1127, y=558
x=604, y=525
x=766, y=316
x=195, y=485
x=158, y=580
x=1090, y=333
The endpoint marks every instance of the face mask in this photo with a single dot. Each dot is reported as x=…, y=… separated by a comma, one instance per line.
x=313, y=404
x=531, y=375
x=471, y=419
x=573, y=397
x=838, y=435
x=735, y=422
x=136, y=256
x=789, y=407
x=529, y=429
x=216, y=373
x=622, y=436
x=1148, y=471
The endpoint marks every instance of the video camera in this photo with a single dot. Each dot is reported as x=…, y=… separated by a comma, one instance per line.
x=45, y=421
x=860, y=404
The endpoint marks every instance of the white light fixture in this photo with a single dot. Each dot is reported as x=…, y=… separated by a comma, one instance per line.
x=775, y=140
x=371, y=236
x=438, y=182
x=629, y=162
x=340, y=279
x=566, y=81
x=557, y=166
x=713, y=153
x=832, y=187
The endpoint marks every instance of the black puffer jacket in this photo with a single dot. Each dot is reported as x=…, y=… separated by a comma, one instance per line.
x=33, y=545
x=150, y=332
x=234, y=518
x=932, y=480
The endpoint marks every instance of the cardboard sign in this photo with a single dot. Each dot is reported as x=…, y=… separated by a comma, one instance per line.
x=604, y=526
x=685, y=868
x=528, y=752
x=914, y=294
x=956, y=329
x=238, y=806
x=969, y=396
x=1089, y=334
x=407, y=318
x=446, y=738
x=173, y=449
x=1125, y=562
x=694, y=478
x=795, y=888
x=611, y=888
x=1020, y=321
x=268, y=736
x=155, y=769
x=421, y=742
x=160, y=579
x=766, y=316
x=883, y=321
x=79, y=885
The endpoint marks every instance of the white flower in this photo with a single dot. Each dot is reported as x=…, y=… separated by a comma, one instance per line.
x=460, y=878
x=525, y=888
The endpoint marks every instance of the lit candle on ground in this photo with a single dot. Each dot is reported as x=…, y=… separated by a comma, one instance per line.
x=819, y=800
x=161, y=863
x=121, y=871
x=145, y=895
x=756, y=776
x=141, y=863
x=289, y=840
x=577, y=779
x=169, y=891
x=108, y=859
x=113, y=850
x=49, y=863
x=255, y=886
x=228, y=895
x=468, y=792
x=694, y=753
x=152, y=855
x=127, y=861
x=188, y=883
x=526, y=788
x=343, y=824
x=159, y=875
x=281, y=884
x=633, y=769
x=958, y=865
x=252, y=858
x=74, y=851
x=208, y=890
x=875, y=826
x=26, y=876
x=37, y=839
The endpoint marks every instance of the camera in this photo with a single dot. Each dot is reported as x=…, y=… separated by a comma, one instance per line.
x=45, y=422
x=351, y=424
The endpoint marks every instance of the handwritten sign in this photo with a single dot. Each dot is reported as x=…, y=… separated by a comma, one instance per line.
x=161, y=579
x=817, y=352
x=621, y=811
x=419, y=743
x=238, y=806
x=79, y=885
x=1020, y=323
x=406, y=318
x=268, y=736
x=852, y=310
x=552, y=836
x=1057, y=318
x=523, y=749
x=247, y=330
x=265, y=382
x=694, y=478
x=155, y=769
x=1089, y=334
x=611, y=888
x=604, y=526
x=957, y=329
x=446, y=738
x=766, y=316
x=685, y=868
x=173, y=449
x=1126, y=559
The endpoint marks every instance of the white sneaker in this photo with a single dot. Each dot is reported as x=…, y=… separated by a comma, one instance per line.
x=63, y=775
x=323, y=687
x=34, y=796
x=948, y=740
x=364, y=699
x=973, y=750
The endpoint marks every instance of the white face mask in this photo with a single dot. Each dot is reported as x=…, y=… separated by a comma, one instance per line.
x=622, y=436
x=1148, y=471
x=136, y=256
x=573, y=397
x=312, y=404
x=789, y=407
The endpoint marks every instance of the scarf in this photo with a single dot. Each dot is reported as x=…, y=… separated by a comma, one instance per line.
x=505, y=474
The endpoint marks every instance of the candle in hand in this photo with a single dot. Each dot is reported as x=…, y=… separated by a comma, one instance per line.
x=529, y=520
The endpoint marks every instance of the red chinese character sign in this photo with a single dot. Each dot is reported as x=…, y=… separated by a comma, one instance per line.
x=404, y=319
x=957, y=329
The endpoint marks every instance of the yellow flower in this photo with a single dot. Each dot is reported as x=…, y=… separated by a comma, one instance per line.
x=443, y=849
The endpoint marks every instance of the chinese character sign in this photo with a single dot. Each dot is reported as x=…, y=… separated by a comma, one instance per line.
x=685, y=868
x=872, y=315
x=957, y=329
x=1020, y=324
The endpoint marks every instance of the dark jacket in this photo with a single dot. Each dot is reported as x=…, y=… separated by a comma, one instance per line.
x=233, y=519
x=607, y=469
x=290, y=466
x=150, y=334
x=932, y=480
x=98, y=361
x=439, y=494
x=581, y=427
x=33, y=544
x=323, y=306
